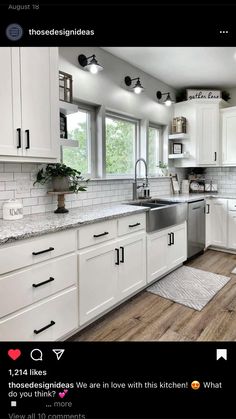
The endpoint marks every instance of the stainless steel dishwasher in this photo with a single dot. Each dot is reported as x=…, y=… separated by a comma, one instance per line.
x=196, y=227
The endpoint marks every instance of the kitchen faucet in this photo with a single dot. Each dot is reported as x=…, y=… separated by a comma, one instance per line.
x=135, y=185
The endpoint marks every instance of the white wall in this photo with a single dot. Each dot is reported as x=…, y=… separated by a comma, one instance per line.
x=107, y=87
x=232, y=92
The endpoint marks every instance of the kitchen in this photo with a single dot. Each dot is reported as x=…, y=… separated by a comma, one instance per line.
x=83, y=274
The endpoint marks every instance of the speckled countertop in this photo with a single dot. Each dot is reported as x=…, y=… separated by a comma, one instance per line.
x=194, y=196
x=39, y=224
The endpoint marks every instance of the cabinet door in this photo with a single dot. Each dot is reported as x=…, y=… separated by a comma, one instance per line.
x=132, y=268
x=98, y=275
x=10, y=102
x=39, y=98
x=219, y=222
x=208, y=223
x=157, y=260
x=232, y=229
x=177, y=252
x=207, y=132
x=229, y=136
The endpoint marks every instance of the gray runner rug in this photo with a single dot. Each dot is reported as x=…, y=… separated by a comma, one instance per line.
x=189, y=286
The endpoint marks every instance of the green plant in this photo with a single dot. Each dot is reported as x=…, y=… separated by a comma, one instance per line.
x=162, y=165
x=51, y=171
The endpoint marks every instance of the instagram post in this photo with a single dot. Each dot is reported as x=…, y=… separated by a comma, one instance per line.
x=117, y=211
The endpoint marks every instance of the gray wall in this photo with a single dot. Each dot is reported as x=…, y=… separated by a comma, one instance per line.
x=107, y=88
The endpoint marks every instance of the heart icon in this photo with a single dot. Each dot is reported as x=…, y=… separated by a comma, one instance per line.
x=65, y=391
x=14, y=353
x=61, y=395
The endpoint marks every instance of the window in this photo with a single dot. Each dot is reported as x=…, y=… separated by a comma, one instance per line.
x=76, y=150
x=153, y=148
x=121, y=145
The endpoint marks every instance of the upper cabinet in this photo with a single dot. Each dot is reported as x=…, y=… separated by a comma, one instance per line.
x=29, y=104
x=203, y=127
x=228, y=135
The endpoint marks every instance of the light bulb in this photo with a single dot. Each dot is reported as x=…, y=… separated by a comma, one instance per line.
x=168, y=102
x=137, y=90
x=93, y=68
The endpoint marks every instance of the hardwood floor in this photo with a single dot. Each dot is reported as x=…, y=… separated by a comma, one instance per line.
x=148, y=317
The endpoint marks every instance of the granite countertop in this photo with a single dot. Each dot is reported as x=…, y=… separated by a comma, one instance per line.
x=194, y=196
x=39, y=224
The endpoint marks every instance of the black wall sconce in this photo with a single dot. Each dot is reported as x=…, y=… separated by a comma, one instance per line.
x=90, y=63
x=137, y=88
x=168, y=101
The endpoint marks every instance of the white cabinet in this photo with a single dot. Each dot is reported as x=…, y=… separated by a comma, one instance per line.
x=208, y=222
x=218, y=211
x=203, y=125
x=29, y=104
x=97, y=280
x=108, y=273
x=207, y=133
x=132, y=268
x=166, y=250
x=228, y=136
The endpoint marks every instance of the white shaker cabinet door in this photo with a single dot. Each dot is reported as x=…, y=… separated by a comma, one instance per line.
x=10, y=111
x=39, y=97
x=228, y=124
x=219, y=222
x=208, y=134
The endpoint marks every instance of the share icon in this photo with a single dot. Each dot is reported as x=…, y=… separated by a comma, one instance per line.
x=58, y=353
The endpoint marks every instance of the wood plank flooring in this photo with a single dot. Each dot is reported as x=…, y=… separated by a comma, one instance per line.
x=148, y=317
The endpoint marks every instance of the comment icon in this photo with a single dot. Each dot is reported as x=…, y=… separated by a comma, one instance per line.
x=36, y=355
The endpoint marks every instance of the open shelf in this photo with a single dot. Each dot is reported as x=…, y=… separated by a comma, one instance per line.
x=67, y=108
x=181, y=136
x=179, y=156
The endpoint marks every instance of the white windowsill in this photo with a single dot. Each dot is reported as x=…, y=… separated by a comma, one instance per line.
x=128, y=178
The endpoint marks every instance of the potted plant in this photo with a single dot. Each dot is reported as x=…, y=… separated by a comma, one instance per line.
x=63, y=178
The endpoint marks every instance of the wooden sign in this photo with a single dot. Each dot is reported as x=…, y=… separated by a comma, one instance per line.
x=203, y=94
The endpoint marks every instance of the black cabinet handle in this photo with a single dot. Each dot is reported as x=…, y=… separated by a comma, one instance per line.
x=134, y=225
x=43, y=251
x=215, y=156
x=27, y=139
x=44, y=328
x=102, y=234
x=44, y=282
x=117, y=256
x=172, y=238
x=169, y=243
x=19, y=137
x=122, y=254
x=208, y=208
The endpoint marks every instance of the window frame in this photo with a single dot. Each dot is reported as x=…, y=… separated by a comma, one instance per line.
x=136, y=122
x=161, y=138
x=91, y=110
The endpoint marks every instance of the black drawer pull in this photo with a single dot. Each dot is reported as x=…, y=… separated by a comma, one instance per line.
x=134, y=225
x=117, y=256
x=169, y=236
x=19, y=137
x=102, y=234
x=27, y=139
x=44, y=328
x=208, y=208
x=215, y=156
x=122, y=254
x=43, y=251
x=44, y=282
x=172, y=238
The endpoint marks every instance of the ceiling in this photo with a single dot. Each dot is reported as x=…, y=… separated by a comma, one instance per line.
x=213, y=67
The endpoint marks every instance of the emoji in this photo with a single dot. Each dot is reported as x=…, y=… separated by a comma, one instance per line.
x=195, y=385
x=62, y=393
x=14, y=353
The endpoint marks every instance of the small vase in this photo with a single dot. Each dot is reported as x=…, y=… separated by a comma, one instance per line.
x=60, y=184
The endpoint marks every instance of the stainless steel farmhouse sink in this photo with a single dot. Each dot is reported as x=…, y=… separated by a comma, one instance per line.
x=162, y=214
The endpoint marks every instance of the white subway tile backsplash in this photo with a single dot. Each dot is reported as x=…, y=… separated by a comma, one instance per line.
x=4, y=195
x=2, y=186
x=6, y=176
x=12, y=167
x=30, y=201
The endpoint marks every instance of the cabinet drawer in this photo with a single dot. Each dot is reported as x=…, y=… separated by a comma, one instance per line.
x=135, y=222
x=96, y=233
x=232, y=204
x=28, y=252
x=61, y=310
x=27, y=286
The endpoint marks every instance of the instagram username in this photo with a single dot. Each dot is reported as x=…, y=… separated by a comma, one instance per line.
x=61, y=32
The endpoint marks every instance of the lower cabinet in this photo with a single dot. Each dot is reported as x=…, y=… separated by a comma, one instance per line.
x=109, y=273
x=208, y=222
x=166, y=250
x=218, y=211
